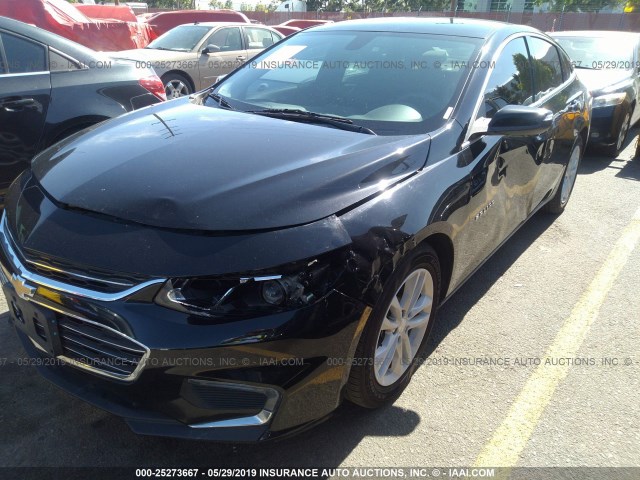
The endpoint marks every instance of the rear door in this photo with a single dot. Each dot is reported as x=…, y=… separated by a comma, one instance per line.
x=231, y=54
x=554, y=91
x=25, y=90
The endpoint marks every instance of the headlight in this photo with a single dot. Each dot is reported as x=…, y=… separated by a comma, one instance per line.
x=609, y=99
x=251, y=295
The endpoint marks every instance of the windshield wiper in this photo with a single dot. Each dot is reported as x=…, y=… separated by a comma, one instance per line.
x=312, y=117
x=220, y=100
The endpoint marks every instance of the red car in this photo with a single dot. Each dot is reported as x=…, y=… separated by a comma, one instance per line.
x=302, y=23
x=162, y=22
x=286, y=30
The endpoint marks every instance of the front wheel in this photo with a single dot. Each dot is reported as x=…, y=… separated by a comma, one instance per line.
x=393, y=342
x=614, y=150
x=561, y=198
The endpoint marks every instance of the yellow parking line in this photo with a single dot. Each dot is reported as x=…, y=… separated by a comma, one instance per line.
x=511, y=437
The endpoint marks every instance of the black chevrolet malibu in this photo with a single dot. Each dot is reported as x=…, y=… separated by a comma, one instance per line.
x=234, y=264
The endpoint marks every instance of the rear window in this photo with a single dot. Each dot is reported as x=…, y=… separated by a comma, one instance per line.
x=23, y=56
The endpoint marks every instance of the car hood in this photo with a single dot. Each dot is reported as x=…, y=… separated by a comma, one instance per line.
x=151, y=54
x=186, y=166
x=596, y=80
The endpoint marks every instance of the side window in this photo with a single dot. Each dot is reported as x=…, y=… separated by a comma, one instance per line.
x=228, y=39
x=509, y=79
x=547, y=73
x=3, y=68
x=276, y=37
x=23, y=56
x=567, y=66
x=59, y=63
x=258, y=38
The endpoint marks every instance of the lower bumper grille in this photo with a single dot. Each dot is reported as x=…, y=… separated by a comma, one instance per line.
x=95, y=347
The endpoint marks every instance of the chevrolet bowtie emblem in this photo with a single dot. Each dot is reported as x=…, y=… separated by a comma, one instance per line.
x=22, y=288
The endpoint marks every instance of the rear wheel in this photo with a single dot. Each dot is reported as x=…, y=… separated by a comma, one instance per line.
x=176, y=85
x=393, y=342
x=561, y=198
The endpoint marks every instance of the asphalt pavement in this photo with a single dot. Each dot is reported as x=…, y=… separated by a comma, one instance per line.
x=535, y=362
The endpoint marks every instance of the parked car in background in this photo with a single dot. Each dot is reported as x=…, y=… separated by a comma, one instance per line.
x=608, y=63
x=51, y=87
x=192, y=57
x=63, y=18
x=337, y=190
x=162, y=22
x=286, y=30
x=302, y=23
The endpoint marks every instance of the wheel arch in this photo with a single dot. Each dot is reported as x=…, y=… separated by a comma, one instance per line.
x=443, y=247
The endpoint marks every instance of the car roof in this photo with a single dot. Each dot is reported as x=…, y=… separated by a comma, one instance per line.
x=593, y=33
x=464, y=27
x=226, y=24
x=79, y=52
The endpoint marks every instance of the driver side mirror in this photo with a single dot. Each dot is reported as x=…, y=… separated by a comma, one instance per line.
x=210, y=49
x=518, y=121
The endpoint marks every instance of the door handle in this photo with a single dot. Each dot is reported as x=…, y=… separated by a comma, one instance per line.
x=240, y=58
x=17, y=104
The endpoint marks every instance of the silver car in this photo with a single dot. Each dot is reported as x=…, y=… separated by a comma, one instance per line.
x=191, y=57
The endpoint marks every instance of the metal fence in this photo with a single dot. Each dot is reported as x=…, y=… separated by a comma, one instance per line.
x=548, y=21
x=545, y=21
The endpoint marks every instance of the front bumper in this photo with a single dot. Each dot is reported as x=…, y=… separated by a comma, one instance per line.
x=241, y=380
x=605, y=124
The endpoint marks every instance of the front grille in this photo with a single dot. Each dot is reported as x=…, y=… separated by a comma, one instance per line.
x=40, y=330
x=86, y=277
x=99, y=348
x=214, y=397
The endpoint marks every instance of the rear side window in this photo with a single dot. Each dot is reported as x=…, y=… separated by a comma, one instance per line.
x=2, y=66
x=567, y=66
x=509, y=79
x=23, y=56
x=258, y=38
x=59, y=63
x=545, y=62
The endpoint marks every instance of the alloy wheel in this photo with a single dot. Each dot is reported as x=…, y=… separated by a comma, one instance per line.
x=624, y=128
x=176, y=88
x=403, y=327
x=570, y=175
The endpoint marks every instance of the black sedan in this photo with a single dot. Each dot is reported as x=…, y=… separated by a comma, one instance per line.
x=234, y=264
x=51, y=88
x=608, y=63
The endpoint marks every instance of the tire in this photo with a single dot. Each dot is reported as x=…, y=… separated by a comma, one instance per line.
x=614, y=150
x=373, y=382
x=176, y=85
x=561, y=198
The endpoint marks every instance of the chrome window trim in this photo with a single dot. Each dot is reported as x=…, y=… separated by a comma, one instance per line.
x=23, y=272
x=258, y=419
x=6, y=75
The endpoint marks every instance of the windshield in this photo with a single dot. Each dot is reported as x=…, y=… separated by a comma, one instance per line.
x=599, y=52
x=182, y=39
x=393, y=83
